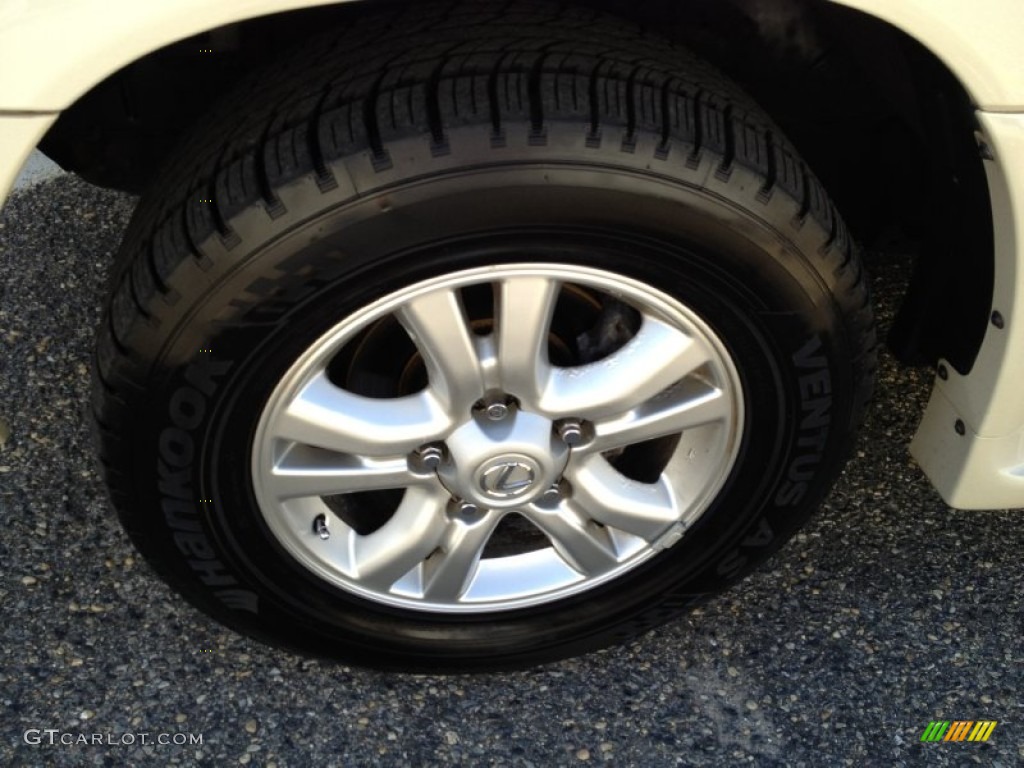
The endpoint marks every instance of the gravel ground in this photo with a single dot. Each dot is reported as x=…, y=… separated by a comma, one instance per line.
x=888, y=611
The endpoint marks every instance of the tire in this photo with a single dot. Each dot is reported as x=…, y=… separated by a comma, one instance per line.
x=472, y=265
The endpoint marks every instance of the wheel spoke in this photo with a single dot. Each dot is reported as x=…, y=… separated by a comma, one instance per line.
x=307, y=471
x=438, y=326
x=678, y=408
x=327, y=416
x=585, y=546
x=403, y=542
x=524, y=309
x=450, y=571
x=657, y=357
x=611, y=498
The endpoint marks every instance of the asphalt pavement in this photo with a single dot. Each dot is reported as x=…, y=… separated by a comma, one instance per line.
x=888, y=611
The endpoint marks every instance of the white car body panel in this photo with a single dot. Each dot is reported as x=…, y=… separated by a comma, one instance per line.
x=984, y=467
x=979, y=41
x=54, y=51
x=19, y=135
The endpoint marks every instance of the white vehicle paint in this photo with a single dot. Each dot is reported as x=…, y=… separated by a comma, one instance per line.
x=984, y=467
x=979, y=42
x=19, y=135
x=47, y=61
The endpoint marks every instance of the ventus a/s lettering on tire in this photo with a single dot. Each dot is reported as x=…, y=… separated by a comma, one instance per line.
x=815, y=387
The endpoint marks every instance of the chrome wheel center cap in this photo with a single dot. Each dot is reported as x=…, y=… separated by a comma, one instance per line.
x=503, y=464
x=508, y=477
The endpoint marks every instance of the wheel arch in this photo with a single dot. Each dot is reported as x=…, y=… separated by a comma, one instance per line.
x=853, y=92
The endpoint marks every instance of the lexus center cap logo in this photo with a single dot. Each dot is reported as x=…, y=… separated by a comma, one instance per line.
x=507, y=479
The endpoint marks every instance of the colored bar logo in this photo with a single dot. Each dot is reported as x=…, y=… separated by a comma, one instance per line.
x=958, y=730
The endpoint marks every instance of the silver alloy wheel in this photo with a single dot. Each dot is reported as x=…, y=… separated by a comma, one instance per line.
x=464, y=466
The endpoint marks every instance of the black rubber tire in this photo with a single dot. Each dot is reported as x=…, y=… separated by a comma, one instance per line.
x=427, y=140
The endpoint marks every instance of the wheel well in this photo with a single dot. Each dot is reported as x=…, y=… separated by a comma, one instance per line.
x=885, y=125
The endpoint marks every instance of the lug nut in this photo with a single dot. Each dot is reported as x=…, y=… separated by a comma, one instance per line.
x=550, y=497
x=430, y=456
x=466, y=511
x=571, y=432
x=496, y=411
x=320, y=527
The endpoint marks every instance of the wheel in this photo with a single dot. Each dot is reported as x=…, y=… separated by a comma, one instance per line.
x=484, y=350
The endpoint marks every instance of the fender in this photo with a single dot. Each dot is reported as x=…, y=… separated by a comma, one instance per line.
x=979, y=42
